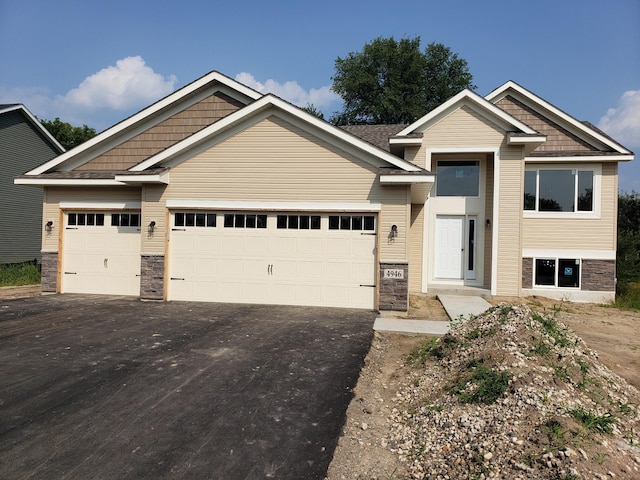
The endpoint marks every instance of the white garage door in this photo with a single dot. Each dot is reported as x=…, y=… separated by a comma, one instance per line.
x=274, y=258
x=101, y=253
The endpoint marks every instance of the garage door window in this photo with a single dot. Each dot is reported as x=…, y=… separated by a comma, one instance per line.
x=194, y=219
x=351, y=222
x=125, y=219
x=241, y=220
x=299, y=222
x=85, y=219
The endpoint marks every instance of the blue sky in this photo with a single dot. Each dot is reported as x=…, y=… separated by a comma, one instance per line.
x=97, y=62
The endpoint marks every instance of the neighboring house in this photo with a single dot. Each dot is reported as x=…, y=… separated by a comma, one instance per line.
x=24, y=144
x=219, y=193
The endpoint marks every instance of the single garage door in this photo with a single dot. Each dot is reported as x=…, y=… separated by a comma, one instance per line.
x=101, y=253
x=273, y=258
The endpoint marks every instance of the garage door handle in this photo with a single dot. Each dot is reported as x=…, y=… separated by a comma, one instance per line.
x=70, y=273
x=372, y=286
x=71, y=228
x=178, y=229
x=176, y=278
x=363, y=233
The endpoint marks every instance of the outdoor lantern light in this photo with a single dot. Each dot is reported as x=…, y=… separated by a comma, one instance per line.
x=394, y=231
x=48, y=226
x=152, y=227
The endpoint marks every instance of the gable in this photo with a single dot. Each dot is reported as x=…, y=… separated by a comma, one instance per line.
x=558, y=138
x=463, y=127
x=274, y=159
x=166, y=133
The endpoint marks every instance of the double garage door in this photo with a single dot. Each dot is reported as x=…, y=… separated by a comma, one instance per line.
x=273, y=258
x=321, y=259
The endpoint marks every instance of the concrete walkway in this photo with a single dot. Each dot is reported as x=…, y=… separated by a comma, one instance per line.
x=456, y=306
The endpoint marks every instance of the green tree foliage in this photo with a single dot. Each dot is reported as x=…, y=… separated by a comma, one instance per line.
x=628, y=261
x=66, y=134
x=393, y=81
x=311, y=108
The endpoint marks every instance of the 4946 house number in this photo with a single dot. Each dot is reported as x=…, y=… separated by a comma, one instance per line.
x=396, y=273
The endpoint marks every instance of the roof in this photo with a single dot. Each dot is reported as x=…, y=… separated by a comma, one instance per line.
x=12, y=107
x=377, y=135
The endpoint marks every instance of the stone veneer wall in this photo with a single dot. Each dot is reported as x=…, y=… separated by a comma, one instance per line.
x=49, y=272
x=152, y=277
x=599, y=275
x=394, y=291
x=527, y=272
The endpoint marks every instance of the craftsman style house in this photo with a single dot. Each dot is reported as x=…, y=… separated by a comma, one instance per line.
x=219, y=193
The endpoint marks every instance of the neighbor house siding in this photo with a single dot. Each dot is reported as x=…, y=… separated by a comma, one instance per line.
x=165, y=134
x=509, y=257
x=54, y=195
x=273, y=160
x=576, y=233
x=22, y=148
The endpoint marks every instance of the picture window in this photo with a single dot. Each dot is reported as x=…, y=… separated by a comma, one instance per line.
x=558, y=190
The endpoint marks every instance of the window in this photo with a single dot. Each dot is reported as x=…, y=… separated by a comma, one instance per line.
x=560, y=272
x=194, y=219
x=85, y=219
x=558, y=190
x=125, y=219
x=241, y=220
x=352, y=222
x=458, y=178
x=298, y=222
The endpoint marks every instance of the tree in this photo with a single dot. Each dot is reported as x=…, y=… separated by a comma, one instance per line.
x=628, y=258
x=311, y=108
x=66, y=134
x=393, y=81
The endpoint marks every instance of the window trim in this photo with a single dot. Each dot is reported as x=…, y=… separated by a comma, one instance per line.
x=597, y=191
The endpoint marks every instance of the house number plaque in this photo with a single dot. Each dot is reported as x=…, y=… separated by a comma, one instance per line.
x=396, y=273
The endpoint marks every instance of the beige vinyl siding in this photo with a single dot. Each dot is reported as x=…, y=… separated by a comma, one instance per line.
x=54, y=195
x=576, y=233
x=463, y=128
x=415, y=248
x=274, y=160
x=509, y=262
x=488, y=231
x=165, y=134
x=153, y=210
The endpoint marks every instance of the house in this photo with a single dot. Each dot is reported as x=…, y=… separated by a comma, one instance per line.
x=24, y=144
x=219, y=193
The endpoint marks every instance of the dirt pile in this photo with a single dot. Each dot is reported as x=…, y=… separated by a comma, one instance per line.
x=513, y=394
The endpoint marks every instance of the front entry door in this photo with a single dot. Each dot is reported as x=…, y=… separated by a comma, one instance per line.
x=449, y=246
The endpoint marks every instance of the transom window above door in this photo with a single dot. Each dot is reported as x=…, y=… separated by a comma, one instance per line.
x=458, y=178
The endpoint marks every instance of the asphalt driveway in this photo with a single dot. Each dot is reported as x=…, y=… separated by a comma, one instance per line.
x=111, y=387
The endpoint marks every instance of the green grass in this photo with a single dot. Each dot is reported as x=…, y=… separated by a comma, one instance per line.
x=628, y=296
x=551, y=328
x=592, y=421
x=19, y=274
x=489, y=385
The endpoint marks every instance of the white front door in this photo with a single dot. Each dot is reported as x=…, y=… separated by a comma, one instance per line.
x=449, y=246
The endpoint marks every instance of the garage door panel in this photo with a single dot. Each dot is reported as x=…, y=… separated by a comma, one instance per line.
x=275, y=265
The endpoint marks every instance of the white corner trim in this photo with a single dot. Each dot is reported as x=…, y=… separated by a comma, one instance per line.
x=292, y=206
x=495, y=223
x=98, y=205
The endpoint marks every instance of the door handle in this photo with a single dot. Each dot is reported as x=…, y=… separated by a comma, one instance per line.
x=106, y=263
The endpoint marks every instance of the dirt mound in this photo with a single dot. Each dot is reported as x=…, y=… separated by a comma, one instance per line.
x=514, y=394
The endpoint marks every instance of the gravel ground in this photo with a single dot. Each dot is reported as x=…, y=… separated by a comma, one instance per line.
x=562, y=415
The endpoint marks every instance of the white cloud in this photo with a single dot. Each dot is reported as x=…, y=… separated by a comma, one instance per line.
x=291, y=91
x=623, y=121
x=128, y=84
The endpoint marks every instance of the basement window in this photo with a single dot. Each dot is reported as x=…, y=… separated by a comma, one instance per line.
x=557, y=272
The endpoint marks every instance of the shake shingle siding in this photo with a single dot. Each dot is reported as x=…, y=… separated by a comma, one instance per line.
x=22, y=148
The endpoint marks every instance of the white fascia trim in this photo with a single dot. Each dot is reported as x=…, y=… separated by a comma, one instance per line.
x=532, y=97
x=568, y=253
x=57, y=182
x=262, y=104
x=474, y=100
x=98, y=205
x=406, y=141
x=36, y=124
x=161, y=178
x=580, y=159
x=147, y=112
x=406, y=179
x=276, y=206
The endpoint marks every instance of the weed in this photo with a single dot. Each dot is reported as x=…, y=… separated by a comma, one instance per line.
x=561, y=372
x=540, y=348
x=477, y=333
x=592, y=421
x=19, y=274
x=551, y=328
x=481, y=385
x=626, y=408
x=631, y=437
x=423, y=351
x=554, y=429
x=437, y=407
x=584, y=367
